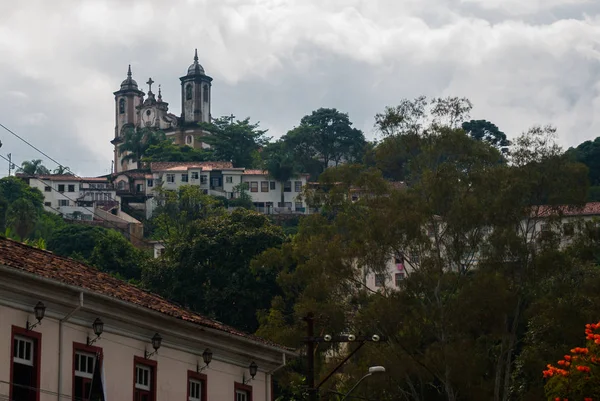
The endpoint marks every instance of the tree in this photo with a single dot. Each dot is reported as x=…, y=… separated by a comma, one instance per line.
x=324, y=138
x=114, y=254
x=474, y=277
x=13, y=188
x=588, y=153
x=281, y=164
x=207, y=267
x=483, y=130
x=22, y=216
x=75, y=241
x=60, y=170
x=235, y=142
x=33, y=167
x=167, y=151
x=137, y=141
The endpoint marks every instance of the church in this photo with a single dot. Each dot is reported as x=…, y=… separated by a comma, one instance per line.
x=135, y=109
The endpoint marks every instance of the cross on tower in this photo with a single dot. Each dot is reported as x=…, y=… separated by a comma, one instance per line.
x=231, y=117
x=150, y=82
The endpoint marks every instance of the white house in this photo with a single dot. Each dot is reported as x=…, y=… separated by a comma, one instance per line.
x=67, y=330
x=74, y=197
x=217, y=179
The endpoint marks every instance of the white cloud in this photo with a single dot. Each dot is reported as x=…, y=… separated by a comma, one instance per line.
x=276, y=60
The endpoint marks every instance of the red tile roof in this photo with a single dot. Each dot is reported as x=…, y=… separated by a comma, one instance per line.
x=589, y=209
x=162, y=166
x=64, y=177
x=42, y=263
x=256, y=172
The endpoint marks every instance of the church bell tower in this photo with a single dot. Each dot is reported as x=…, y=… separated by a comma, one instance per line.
x=195, y=94
x=127, y=100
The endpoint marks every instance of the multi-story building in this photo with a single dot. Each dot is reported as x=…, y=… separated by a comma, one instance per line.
x=214, y=178
x=70, y=332
x=74, y=197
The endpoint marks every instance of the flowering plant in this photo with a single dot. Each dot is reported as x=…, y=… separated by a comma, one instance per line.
x=576, y=377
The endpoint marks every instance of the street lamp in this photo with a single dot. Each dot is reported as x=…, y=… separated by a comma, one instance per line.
x=156, y=342
x=98, y=327
x=39, y=311
x=372, y=369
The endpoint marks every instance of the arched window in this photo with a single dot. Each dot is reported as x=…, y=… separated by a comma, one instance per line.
x=206, y=93
x=122, y=106
x=121, y=185
x=188, y=92
x=188, y=139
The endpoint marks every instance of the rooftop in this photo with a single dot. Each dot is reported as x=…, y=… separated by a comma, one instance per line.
x=164, y=166
x=46, y=264
x=589, y=209
x=63, y=177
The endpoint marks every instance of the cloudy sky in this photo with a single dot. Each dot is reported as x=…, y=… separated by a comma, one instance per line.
x=521, y=62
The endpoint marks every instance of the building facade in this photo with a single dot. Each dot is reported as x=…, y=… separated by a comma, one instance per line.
x=62, y=357
x=213, y=178
x=74, y=197
x=135, y=109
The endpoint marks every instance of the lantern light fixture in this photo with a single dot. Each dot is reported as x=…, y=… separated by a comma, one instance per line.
x=207, y=358
x=98, y=327
x=156, y=343
x=40, y=311
x=253, y=368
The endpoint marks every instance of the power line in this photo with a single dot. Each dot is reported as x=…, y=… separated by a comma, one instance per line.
x=60, y=165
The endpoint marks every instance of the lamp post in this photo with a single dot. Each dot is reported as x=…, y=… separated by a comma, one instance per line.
x=372, y=369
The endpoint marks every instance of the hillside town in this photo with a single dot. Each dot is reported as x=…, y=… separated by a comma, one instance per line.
x=445, y=256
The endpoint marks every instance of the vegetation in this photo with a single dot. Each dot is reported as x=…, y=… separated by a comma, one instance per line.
x=497, y=283
x=137, y=142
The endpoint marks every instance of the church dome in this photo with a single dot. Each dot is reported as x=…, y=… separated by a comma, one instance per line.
x=129, y=83
x=195, y=68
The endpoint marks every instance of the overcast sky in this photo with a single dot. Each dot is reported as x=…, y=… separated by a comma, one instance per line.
x=521, y=62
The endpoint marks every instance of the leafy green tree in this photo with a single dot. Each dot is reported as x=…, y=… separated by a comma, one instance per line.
x=207, y=267
x=75, y=241
x=281, y=164
x=21, y=217
x=325, y=138
x=13, y=188
x=34, y=167
x=113, y=253
x=236, y=142
x=167, y=151
x=483, y=130
x=176, y=209
x=136, y=143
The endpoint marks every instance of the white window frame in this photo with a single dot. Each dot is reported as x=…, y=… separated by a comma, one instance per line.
x=199, y=384
x=63, y=202
x=22, y=341
x=380, y=280
x=228, y=179
x=81, y=355
x=194, y=175
x=143, y=386
x=170, y=178
x=243, y=394
x=185, y=177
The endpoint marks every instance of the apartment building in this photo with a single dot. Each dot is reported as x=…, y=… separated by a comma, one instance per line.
x=70, y=332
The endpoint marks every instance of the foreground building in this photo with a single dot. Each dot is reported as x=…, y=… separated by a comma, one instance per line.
x=148, y=348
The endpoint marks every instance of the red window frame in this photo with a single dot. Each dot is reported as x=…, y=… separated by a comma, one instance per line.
x=37, y=337
x=199, y=377
x=242, y=387
x=90, y=349
x=138, y=360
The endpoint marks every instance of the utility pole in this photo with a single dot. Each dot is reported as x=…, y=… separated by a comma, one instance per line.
x=9, y=163
x=311, y=340
x=310, y=357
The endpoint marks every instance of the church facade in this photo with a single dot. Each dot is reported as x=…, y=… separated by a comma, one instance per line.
x=136, y=110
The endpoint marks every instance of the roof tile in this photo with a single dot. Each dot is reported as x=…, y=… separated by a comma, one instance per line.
x=48, y=265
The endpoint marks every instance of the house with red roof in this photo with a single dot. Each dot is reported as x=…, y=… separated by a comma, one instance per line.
x=69, y=331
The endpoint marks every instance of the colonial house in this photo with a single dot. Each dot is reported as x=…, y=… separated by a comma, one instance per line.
x=74, y=197
x=138, y=188
x=89, y=200
x=70, y=332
